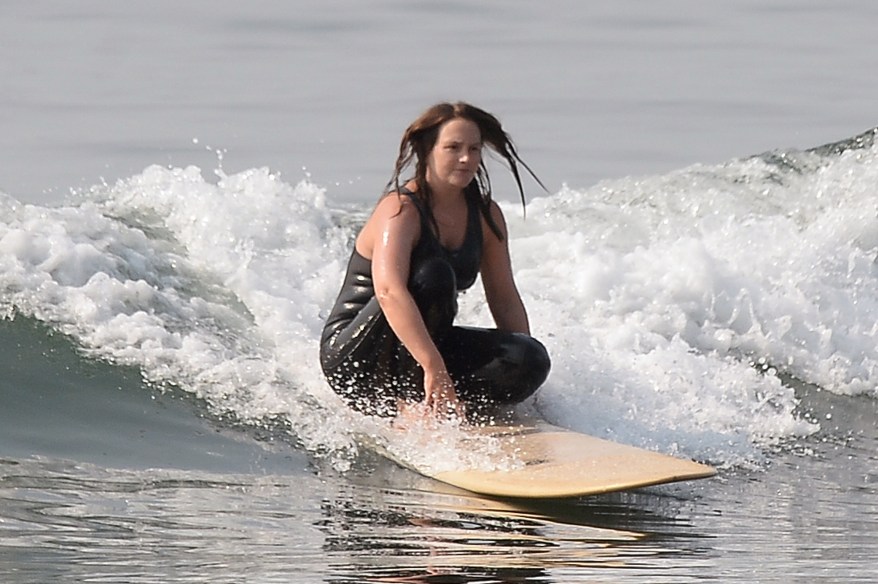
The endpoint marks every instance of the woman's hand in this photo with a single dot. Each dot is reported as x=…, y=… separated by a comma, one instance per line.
x=440, y=398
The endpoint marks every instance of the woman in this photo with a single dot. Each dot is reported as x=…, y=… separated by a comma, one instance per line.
x=390, y=340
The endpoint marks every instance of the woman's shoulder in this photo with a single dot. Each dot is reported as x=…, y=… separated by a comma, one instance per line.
x=394, y=204
x=496, y=211
x=392, y=214
x=497, y=217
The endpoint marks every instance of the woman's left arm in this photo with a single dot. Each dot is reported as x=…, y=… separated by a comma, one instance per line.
x=503, y=298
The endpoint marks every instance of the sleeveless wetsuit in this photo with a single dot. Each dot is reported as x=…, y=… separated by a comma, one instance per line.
x=367, y=365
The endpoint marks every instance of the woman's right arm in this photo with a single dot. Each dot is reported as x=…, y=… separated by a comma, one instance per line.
x=391, y=235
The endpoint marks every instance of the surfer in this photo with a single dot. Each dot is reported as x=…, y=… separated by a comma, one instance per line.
x=390, y=342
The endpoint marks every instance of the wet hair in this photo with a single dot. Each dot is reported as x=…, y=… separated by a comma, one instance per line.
x=420, y=138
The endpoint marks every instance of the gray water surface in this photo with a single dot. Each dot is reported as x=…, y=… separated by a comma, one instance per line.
x=98, y=90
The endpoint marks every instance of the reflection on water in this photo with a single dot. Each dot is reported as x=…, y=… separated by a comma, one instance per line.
x=378, y=524
x=410, y=534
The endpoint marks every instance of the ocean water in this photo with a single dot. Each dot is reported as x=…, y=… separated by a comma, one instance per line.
x=181, y=186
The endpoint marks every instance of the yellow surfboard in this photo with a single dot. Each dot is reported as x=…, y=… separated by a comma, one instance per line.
x=553, y=462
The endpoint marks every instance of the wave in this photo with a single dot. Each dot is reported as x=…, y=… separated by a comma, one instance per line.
x=680, y=310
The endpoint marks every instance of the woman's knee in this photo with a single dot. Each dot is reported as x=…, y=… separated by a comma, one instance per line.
x=540, y=359
x=511, y=367
x=431, y=279
x=534, y=363
x=433, y=285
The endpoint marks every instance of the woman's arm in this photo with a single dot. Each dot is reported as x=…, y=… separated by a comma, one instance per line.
x=392, y=232
x=503, y=298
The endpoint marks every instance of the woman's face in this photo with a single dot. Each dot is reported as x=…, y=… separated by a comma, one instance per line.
x=455, y=158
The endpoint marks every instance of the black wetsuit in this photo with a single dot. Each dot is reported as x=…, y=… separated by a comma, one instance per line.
x=365, y=362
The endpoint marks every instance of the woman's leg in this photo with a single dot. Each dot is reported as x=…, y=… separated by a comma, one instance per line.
x=364, y=361
x=358, y=361
x=492, y=367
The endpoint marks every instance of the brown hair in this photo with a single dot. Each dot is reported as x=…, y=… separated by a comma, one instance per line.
x=420, y=138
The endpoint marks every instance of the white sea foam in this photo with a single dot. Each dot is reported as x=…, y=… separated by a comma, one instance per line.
x=669, y=304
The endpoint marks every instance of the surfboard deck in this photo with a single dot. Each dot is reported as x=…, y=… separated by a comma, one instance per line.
x=553, y=463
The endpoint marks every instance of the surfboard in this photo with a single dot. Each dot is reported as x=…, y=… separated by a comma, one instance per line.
x=550, y=462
